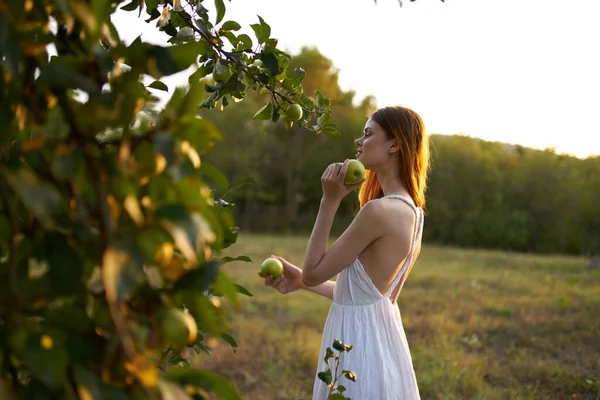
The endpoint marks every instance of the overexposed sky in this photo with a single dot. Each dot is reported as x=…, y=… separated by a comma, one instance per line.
x=517, y=71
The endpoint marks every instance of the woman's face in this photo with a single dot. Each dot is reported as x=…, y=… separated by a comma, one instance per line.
x=373, y=147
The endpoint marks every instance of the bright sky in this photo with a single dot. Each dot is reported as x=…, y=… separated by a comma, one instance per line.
x=522, y=72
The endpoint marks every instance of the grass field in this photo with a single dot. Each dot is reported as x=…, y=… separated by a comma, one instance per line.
x=480, y=325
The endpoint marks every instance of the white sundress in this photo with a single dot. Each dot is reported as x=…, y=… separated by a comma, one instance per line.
x=360, y=316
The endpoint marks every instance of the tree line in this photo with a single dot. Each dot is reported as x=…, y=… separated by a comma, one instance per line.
x=481, y=194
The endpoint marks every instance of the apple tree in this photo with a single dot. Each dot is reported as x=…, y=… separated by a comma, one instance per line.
x=111, y=225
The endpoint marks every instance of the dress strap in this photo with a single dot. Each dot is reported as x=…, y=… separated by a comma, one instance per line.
x=418, y=228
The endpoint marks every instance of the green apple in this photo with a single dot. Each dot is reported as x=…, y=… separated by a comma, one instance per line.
x=294, y=112
x=287, y=84
x=221, y=73
x=355, y=172
x=272, y=266
x=178, y=328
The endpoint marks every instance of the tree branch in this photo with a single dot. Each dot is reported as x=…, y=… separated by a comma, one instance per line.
x=12, y=248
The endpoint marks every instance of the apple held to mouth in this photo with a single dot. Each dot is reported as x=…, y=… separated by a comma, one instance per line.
x=355, y=172
x=271, y=266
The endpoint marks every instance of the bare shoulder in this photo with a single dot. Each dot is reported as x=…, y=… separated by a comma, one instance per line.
x=390, y=211
x=387, y=207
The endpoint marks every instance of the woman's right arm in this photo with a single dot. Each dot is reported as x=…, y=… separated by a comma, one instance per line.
x=324, y=289
x=291, y=280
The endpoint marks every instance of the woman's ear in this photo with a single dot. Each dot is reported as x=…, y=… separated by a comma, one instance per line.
x=394, y=146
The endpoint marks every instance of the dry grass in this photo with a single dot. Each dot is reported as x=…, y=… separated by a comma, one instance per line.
x=480, y=324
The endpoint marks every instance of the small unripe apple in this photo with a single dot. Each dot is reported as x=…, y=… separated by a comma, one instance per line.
x=294, y=112
x=221, y=73
x=355, y=172
x=178, y=328
x=271, y=266
x=287, y=84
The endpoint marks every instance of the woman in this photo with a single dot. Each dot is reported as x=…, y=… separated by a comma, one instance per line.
x=371, y=259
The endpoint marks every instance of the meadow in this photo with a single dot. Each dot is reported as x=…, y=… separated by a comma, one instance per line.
x=480, y=325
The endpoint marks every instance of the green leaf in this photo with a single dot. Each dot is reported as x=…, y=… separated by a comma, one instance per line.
x=204, y=379
x=159, y=86
x=270, y=62
x=244, y=42
x=133, y=5
x=215, y=174
x=341, y=388
x=322, y=101
x=338, y=345
x=154, y=13
x=229, y=340
x=323, y=119
x=71, y=318
x=264, y=113
x=231, y=26
x=63, y=72
x=349, y=375
x=325, y=377
x=297, y=75
x=179, y=359
x=41, y=198
x=122, y=271
x=86, y=379
x=198, y=279
x=220, y=5
x=49, y=365
x=184, y=34
x=226, y=259
x=328, y=354
x=336, y=396
x=243, y=290
x=66, y=163
x=261, y=30
x=330, y=128
x=246, y=181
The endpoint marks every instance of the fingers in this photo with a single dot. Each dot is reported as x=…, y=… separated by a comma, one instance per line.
x=279, y=284
x=276, y=283
x=344, y=168
x=334, y=170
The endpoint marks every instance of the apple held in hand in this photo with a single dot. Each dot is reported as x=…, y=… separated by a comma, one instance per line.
x=271, y=266
x=355, y=172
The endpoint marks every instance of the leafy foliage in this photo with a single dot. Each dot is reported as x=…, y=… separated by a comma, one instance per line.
x=111, y=226
x=336, y=391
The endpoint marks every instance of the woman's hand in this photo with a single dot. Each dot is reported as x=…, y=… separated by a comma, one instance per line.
x=289, y=282
x=333, y=184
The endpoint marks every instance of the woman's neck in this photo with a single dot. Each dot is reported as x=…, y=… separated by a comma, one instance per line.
x=389, y=179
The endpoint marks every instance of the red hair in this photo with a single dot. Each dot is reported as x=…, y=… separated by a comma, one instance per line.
x=408, y=128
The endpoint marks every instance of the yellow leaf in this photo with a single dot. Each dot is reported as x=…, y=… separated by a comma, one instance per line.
x=84, y=393
x=132, y=206
x=165, y=17
x=161, y=164
x=144, y=370
x=113, y=207
x=46, y=342
x=194, y=157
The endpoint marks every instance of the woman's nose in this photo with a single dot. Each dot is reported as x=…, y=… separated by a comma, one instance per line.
x=358, y=142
